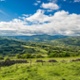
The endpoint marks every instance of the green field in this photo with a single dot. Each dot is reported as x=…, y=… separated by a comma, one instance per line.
x=48, y=71
x=62, y=50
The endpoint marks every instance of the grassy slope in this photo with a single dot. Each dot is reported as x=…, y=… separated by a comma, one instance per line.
x=14, y=46
x=48, y=71
x=56, y=71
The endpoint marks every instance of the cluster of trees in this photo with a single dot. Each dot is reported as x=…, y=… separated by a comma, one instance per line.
x=58, y=48
x=28, y=55
x=63, y=54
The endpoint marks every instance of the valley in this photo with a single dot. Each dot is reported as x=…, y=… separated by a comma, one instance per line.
x=56, y=59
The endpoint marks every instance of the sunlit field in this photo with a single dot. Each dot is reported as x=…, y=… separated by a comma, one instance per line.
x=60, y=70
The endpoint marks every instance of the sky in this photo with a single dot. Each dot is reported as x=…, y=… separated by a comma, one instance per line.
x=38, y=17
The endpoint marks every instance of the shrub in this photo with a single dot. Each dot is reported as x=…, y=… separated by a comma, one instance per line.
x=1, y=58
x=39, y=56
x=7, y=59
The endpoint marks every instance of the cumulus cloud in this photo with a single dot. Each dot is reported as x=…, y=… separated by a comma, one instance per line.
x=50, y=6
x=61, y=23
x=38, y=17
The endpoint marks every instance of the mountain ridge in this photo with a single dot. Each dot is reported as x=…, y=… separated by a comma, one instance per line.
x=37, y=37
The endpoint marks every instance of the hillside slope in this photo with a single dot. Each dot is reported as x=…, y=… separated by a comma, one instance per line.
x=74, y=41
x=68, y=46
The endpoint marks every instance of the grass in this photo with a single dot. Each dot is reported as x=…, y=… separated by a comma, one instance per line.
x=47, y=71
x=37, y=49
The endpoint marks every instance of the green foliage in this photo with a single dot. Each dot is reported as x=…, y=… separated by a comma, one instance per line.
x=66, y=47
x=7, y=58
x=1, y=58
x=39, y=56
x=27, y=55
x=48, y=71
x=19, y=56
x=73, y=41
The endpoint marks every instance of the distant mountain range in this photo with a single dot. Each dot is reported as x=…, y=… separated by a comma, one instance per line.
x=38, y=38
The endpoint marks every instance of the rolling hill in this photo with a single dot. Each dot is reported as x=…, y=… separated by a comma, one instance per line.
x=57, y=44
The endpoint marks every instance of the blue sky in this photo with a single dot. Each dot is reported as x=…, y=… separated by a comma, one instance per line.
x=15, y=8
x=32, y=17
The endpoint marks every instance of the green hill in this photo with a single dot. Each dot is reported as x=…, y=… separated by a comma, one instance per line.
x=74, y=41
x=62, y=47
x=9, y=46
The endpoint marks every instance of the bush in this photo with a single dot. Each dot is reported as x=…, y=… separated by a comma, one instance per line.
x=18, y=56
x=1, y=58
x=52, y=55
x=39, y=56
x=27, y=55
x=7, y=59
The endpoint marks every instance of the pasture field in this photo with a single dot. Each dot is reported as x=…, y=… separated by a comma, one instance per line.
x=48, y=71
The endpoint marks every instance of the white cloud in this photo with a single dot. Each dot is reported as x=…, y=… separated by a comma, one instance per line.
x=38, y=17
x=37, y=2
x=50, y=6
x=60, y=23
x=76, y=0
